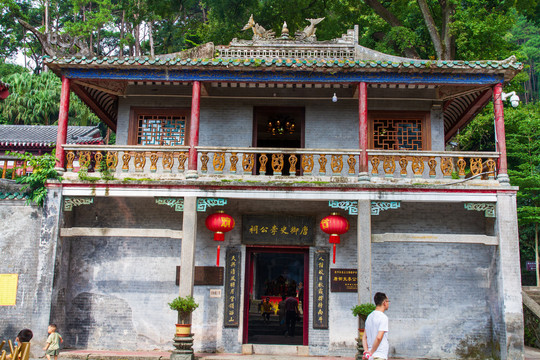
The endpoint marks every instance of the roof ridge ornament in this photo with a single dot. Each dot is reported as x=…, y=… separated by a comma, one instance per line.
x=308, y=34
x=284, y=31
x=259, y=33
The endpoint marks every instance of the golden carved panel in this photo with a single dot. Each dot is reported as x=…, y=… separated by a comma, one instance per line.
x=277, y=163
x=336, y=163
x=248, y=161
x=219, y=162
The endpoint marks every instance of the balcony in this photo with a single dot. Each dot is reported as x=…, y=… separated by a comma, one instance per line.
x=11, y=167
x=162, y=163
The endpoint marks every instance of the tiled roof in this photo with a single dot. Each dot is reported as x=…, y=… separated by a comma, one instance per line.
x=44, y=136
x=291, y=63
x=13, y=196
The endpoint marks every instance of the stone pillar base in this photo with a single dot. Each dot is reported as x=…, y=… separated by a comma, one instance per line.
x=363, y=177
x=60, y=170
x=359, y=349
x=192, y=174
x=183, y=348
x=503, y=179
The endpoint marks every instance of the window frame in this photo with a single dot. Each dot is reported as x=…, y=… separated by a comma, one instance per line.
x=423, y=116
x=135, y=112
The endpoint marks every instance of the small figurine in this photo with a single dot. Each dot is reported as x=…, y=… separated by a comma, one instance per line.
x=309, y=31
x=284, y=31
x=259, y=33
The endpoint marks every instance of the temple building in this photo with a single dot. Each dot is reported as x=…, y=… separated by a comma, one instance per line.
x=327, y=170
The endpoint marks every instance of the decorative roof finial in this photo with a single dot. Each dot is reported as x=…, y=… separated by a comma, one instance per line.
x=284, y=31
x=308, y=33
x=259, y=33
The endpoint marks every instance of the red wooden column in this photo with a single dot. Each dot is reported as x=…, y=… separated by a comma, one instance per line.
x=62, y=124
x=194, y=128
x=499, y=130
x=363, y=130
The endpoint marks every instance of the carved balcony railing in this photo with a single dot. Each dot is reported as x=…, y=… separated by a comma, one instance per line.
x=127, y=159
x=432, y=164
x=163, y=162
x=278, y=161
x=12, y=167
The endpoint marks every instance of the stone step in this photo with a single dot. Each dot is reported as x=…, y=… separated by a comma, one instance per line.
x=281, y=350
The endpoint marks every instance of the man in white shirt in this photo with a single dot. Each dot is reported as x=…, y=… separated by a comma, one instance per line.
x=375, y=339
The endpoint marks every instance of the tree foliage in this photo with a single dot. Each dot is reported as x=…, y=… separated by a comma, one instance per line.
x=42, y=170
x=35, y=100
x=522, y=127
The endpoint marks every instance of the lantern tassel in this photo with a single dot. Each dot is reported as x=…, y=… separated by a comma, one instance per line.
x=334, y=257
x=217, y=259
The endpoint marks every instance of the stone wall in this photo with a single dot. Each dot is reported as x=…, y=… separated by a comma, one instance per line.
x=28, y=248
x=19, y=246
x=112, y=292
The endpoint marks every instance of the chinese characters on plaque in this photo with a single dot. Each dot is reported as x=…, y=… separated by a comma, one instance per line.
x=277, y=230
x=320, y=290
x=232, y=288
x=344, y=280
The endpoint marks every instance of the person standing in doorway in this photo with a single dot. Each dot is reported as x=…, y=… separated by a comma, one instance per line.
x=291, y=307
x=375, y=339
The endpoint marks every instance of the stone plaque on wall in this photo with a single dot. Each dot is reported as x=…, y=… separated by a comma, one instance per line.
x=320, y=290
x=278, y=230
x=204, y=275
x=344, y=280
x=232, y=288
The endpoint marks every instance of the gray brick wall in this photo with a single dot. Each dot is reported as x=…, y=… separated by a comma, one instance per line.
x=19, y=246
x=437, y=218
x=439, y=297
x=121, y=286
x=229, y=122
x=117, y=291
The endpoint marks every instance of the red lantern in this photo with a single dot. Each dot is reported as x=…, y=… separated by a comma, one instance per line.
x=334, y=225
x=219, y=223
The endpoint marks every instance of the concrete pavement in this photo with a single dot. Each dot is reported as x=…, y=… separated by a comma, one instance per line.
x=530, y=354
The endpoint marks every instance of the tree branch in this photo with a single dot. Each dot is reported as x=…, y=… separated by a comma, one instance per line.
x=392, y=20
x=432, y=29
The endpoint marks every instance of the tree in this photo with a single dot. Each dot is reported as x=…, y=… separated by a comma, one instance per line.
x=526, y=34
x=454, y=29
x=35, y=100
x=522, y=127
x=523, y=146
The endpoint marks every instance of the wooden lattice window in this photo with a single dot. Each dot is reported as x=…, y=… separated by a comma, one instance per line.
x=154, y=127
x=399, y=132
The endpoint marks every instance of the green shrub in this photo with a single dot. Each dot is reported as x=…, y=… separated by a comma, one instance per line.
x=184, y=305
x=363, y=310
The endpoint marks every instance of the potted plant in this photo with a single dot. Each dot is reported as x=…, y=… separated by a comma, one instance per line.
x=185, y=306
x=362, y=311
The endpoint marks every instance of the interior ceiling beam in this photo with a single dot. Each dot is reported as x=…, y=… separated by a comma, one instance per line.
x=283, y=97
x=97, y=87
x=469, y=113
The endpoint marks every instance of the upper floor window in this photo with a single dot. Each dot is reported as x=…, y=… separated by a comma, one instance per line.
x=399, y=131
x=166, y=127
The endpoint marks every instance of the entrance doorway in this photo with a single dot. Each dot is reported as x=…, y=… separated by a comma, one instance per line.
x=272, y=273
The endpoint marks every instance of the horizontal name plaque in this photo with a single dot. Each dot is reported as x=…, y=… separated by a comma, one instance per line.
x=204, y=275
x=278, y=230
x=344, y=280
